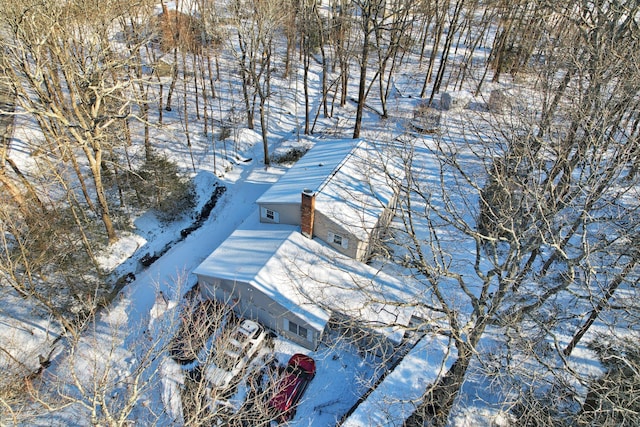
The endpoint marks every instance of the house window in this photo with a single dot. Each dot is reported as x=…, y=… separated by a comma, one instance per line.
x=301, y=331
x=339, y=240
x=270, y=215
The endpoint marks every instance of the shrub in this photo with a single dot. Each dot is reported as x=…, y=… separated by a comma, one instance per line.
x=290, y=156
x=159, y=186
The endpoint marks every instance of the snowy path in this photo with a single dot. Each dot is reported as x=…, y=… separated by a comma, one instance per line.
x=234, y=207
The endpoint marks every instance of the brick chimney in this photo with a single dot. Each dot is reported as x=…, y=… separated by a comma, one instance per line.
x=307, y=212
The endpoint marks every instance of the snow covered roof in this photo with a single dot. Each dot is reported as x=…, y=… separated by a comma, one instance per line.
x=396, y=397
x=310, y=171
x=307, y=277
x=357, y=193
x=258, y=256
x=352, y=180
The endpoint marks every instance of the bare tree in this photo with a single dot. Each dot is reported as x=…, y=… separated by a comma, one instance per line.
x=613, y=398
x=137, y=36
x=17, y=186
x=538, y=229
x=444, y=58
x=521, y=26
x=440, y=13
x=340, y=39
x=203, y=348
x=72, y=82
x=256, y=23
x=370, y=12
x=391, y=43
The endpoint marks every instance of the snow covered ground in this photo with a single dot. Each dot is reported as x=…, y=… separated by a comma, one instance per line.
x=125, y=340
x=343, y=375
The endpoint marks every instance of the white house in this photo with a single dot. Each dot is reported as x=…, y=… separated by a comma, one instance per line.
x=295, y=266
x=341, y=191
x=295, y=285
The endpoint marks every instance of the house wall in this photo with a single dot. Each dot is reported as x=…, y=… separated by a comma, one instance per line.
x=285, y=213
x=326, y=230
x=249, y=302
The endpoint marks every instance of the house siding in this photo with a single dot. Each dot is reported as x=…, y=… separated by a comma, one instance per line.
x=323, y=225
x=287, y=213
x=248, y=302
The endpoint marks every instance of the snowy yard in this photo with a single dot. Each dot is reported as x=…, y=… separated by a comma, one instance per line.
x=514, y=242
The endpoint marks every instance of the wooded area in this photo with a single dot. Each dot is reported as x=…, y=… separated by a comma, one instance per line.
x=553, y=217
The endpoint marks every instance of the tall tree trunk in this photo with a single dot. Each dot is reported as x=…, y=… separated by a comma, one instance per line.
x=185, y=105
x=475, y=42
x=364, y=58
x=436, y=44
x=205, y=97
x=95, y=160
x=174, y=79
x=244, y=76
x=498, y=51
x=264, y=93
x=160, y=108
x=305, y=84
x=196, y=88
x=453, y=26
x=436, y=403
x=320, y=24
x=264, y=131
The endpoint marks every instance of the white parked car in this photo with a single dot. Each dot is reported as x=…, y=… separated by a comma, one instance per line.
x=233, y=354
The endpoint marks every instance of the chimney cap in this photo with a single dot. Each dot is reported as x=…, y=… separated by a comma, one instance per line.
x=308, y=191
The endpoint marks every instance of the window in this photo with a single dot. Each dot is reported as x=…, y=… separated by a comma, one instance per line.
x=339, y=240
x=302, y=331
x=269, y=215
x=294, y=328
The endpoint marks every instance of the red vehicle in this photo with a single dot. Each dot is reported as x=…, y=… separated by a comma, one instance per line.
x=297, y=375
